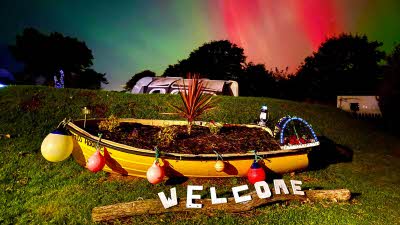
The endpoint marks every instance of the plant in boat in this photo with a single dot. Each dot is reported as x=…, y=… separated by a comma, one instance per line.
x=195, y=100
x=167, y=135
x=110, y=124
x=214, y=127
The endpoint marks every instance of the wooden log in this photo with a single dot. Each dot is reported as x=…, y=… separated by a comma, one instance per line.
x=332, y=195
x=154, y=206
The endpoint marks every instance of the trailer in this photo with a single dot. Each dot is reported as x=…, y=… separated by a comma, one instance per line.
x=172, y=85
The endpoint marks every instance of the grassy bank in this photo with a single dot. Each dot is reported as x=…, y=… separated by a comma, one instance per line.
x=37, y=191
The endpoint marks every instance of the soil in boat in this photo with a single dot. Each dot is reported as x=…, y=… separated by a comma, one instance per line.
x=229, y=139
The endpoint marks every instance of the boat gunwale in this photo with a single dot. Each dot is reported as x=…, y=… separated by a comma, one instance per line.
x=169, y=155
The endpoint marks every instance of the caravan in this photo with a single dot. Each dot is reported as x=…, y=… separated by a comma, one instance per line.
x=360, y=105
x=172, y=85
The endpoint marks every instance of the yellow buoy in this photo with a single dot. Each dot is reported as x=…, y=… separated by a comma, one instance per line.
x=219, y=166
x=57, y=146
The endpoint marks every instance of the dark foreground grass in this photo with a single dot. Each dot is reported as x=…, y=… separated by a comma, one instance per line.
x=36, y=191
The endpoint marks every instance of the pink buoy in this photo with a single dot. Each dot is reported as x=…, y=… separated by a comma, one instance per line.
x=155, y=174
x=96, y=162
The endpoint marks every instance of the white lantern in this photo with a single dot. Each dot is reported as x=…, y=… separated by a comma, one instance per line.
x=264, y=116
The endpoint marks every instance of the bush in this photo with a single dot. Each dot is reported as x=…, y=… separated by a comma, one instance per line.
x=167, y=135
x=110, y=124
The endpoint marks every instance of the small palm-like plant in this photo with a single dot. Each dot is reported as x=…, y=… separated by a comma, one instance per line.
x=195, y=101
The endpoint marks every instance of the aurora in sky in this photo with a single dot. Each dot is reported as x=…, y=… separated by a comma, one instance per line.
x=127, y=37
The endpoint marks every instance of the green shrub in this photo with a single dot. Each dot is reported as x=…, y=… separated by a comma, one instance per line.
x=215, y=128
x=167, y=135
x=110, y=124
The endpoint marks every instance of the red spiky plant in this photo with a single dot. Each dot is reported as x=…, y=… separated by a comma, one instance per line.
x=195, y=101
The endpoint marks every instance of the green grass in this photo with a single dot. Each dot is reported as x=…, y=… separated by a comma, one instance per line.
x=36, y=191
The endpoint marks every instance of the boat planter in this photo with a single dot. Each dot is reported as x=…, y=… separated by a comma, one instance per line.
x=128, y=160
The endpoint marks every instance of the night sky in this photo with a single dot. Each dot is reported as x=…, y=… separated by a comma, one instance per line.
x=127, y=37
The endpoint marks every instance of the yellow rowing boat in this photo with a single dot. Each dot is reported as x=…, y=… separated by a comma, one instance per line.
x=128, y=160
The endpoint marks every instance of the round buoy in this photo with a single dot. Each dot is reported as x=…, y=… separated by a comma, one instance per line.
x=155, y=174
x=219, y=166
x=256, y=173
x=96, y=162
x=57, y=146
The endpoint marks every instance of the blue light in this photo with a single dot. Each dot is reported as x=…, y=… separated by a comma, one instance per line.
x=278, y=126
x=288, y=119
x=59, y=83
x=2, y=85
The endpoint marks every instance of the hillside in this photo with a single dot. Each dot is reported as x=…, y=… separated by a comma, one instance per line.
x=37, y=191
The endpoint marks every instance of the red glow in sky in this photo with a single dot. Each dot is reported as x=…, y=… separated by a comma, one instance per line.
x=294, y=28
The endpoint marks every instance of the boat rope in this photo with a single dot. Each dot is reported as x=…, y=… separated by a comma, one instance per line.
x=257, y=157
x=218, y=155
x=63, y=123
x=157, y=153
x=98, y=142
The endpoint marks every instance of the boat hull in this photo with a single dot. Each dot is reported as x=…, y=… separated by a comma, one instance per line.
x=132, y=161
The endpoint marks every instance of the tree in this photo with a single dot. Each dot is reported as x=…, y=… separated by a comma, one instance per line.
x=389, y=98
x=87, y=79
x=45, y=55
x=135, y=78
x=179, y=70
x=216, y=60
x=285, y=84
x=257, y=81
x=343, y=65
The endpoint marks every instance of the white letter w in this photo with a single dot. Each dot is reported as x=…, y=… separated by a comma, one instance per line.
x=169, y=202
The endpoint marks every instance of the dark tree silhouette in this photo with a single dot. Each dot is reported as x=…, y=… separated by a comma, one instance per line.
x=343, y=65
x=216, y=60
x=135, y=78
x=87, y=79
x=45, y=55
x=178, y=70
x=281, y=74
x=389, y=98
x=257, y=81
x=285, y=83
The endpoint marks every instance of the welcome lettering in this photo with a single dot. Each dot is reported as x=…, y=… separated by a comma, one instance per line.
x=261, y=187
